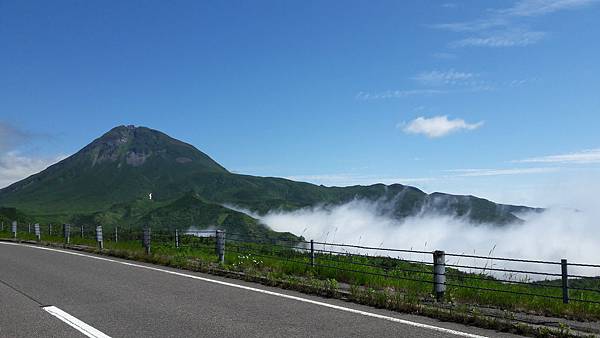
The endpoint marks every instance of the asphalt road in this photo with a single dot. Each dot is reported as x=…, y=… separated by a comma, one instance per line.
x=130, y=299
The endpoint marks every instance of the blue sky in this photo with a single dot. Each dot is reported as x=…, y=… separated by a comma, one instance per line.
x=493, y=98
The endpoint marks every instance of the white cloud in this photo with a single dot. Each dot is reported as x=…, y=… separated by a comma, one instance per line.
x=519, y=83
x=15, y=167
x=542, y=7
x=472, y=26
x=449, y=77
x=438, y=82
x=580, y=157
x=513, y=38
x=391, y=94
x=502, y=27
x=449, y=5
x=500, y=172
x=438, y=126
x=346, y=179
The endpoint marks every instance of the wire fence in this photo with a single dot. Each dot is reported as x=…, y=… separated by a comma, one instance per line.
x=437, y=271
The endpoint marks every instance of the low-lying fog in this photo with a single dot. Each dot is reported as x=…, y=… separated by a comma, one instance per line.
x=559, y=232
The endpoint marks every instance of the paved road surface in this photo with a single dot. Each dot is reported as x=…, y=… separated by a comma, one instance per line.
x=129, y=299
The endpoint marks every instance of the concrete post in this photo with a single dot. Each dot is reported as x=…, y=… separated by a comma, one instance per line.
x=312, y=253
x=2, y=228
x=67, y=233
x=81, y=229
x=14, y=229
x=38, y=234
x=146, y=240
x=50, y=229
x=565, y=280
x=116, y=234
x=28, y=228
x=439, y=275
x=221, y=245
x=99, y=238
x=176, y=238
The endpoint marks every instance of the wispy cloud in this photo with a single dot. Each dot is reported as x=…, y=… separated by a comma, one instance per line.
x=513, y=38
x=390, y=94
x=520, y=82
x=581, y=157
x=543, y=7
x=503, y=28
x=346, y=179
x=472, y=26
x=438, y=126
x=500, y=172
x=449, y=5
x=452, y=80
x=448, y=77
x=434, y=82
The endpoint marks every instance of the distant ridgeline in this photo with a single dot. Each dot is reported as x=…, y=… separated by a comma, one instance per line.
x=136, y=175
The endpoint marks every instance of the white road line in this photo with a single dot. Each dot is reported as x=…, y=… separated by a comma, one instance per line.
x=75, y=323
x=277, y=294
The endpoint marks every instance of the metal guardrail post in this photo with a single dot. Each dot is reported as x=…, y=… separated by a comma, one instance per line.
x=312, y=253
x=146, y=240
x=220, y=234
x=439, y=275
x=38, y=234
x=67, y=233
x=14, y=229
x=99, y=237
x=176, y=238
x=565, y=281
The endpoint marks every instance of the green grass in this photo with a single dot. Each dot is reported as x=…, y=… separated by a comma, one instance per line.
x=412, y=282
x=399, y=277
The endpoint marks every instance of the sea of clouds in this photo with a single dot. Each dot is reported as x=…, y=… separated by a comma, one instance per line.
x=565, y=230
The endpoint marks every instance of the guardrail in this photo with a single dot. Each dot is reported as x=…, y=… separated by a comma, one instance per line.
x=439, y=269
x=445, y=269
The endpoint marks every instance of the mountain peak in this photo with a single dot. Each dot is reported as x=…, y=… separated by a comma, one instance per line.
x=128, y=145
x=124, y=163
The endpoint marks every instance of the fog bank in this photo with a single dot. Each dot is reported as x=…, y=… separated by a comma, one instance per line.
x=559, y=232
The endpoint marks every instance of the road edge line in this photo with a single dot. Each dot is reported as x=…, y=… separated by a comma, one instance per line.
x=86, y=329
x=272, y=293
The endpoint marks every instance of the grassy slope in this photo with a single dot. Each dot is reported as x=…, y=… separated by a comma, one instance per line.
x=189, y=209
x=182, y=213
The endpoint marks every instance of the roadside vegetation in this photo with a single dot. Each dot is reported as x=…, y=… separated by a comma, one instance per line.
x=379, y=281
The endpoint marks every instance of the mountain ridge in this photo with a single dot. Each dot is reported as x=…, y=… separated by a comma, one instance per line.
x=128, y=163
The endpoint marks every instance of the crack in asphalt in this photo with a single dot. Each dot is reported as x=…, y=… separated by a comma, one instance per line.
x=22, y=293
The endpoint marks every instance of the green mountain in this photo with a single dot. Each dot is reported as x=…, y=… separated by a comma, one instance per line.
x=111, y=179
